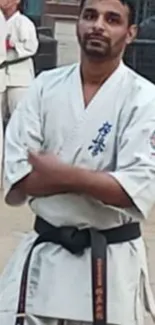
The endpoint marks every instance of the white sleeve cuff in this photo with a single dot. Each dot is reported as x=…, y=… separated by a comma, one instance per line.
x=140, y=193
x=13, y=196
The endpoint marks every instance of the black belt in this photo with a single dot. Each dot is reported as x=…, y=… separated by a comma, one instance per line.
x=76, y=241
x=5, y=64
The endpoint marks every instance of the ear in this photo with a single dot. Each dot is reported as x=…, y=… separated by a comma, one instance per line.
x=77, y=27
x=132, y=33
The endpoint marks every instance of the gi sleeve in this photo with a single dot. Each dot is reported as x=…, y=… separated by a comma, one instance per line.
x=27, y=43
x=3, y=34
x=135, y=169
x=24, y=132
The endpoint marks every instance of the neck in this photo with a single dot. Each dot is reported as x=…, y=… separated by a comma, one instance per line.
x=97, y=72
x=10, y=13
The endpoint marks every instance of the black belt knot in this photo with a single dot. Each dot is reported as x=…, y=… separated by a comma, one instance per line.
x=74, y=240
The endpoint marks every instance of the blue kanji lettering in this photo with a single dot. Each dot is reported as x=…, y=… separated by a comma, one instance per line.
x=98, y=144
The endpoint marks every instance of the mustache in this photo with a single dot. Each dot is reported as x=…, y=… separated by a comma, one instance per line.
x=97, y=36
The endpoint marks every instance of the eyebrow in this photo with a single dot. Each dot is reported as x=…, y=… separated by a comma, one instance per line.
x=90, y=9
x=112, y=13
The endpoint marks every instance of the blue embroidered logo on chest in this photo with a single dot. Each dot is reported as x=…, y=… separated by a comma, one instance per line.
x=98, y=144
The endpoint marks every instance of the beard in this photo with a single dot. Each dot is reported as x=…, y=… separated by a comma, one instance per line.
x=95, y=46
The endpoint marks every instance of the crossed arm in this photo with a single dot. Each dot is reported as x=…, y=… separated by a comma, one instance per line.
x=50, y=176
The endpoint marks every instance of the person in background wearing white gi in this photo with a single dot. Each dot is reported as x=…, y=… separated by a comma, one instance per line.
x=3, y=34
x=22, y=45
x=81, y=149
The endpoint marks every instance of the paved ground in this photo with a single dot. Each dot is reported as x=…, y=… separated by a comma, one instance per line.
x=14, y=221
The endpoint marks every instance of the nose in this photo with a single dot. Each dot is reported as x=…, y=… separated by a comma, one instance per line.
x=99, y=24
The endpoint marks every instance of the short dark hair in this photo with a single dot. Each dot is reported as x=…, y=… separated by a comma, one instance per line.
x=130, y=3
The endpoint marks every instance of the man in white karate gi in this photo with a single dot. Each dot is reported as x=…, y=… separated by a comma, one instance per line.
x=81, y=149
x=21, y=45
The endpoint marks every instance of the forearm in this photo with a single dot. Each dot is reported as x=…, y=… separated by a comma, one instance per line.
x=26, y=48
x=99, y=185
x=36, y=185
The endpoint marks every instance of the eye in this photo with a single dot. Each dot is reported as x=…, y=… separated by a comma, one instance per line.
x=111, y=19
x=89, y=15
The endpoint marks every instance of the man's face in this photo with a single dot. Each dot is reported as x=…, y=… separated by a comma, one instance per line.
x=7, y=5
x=103, y=29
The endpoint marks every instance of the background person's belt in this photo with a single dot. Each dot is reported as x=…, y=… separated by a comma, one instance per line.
x=3, y=65
x=6, y=64
x=76, y=241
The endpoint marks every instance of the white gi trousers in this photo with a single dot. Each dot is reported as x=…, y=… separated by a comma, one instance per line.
x=1, y=139
x=11, y=98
